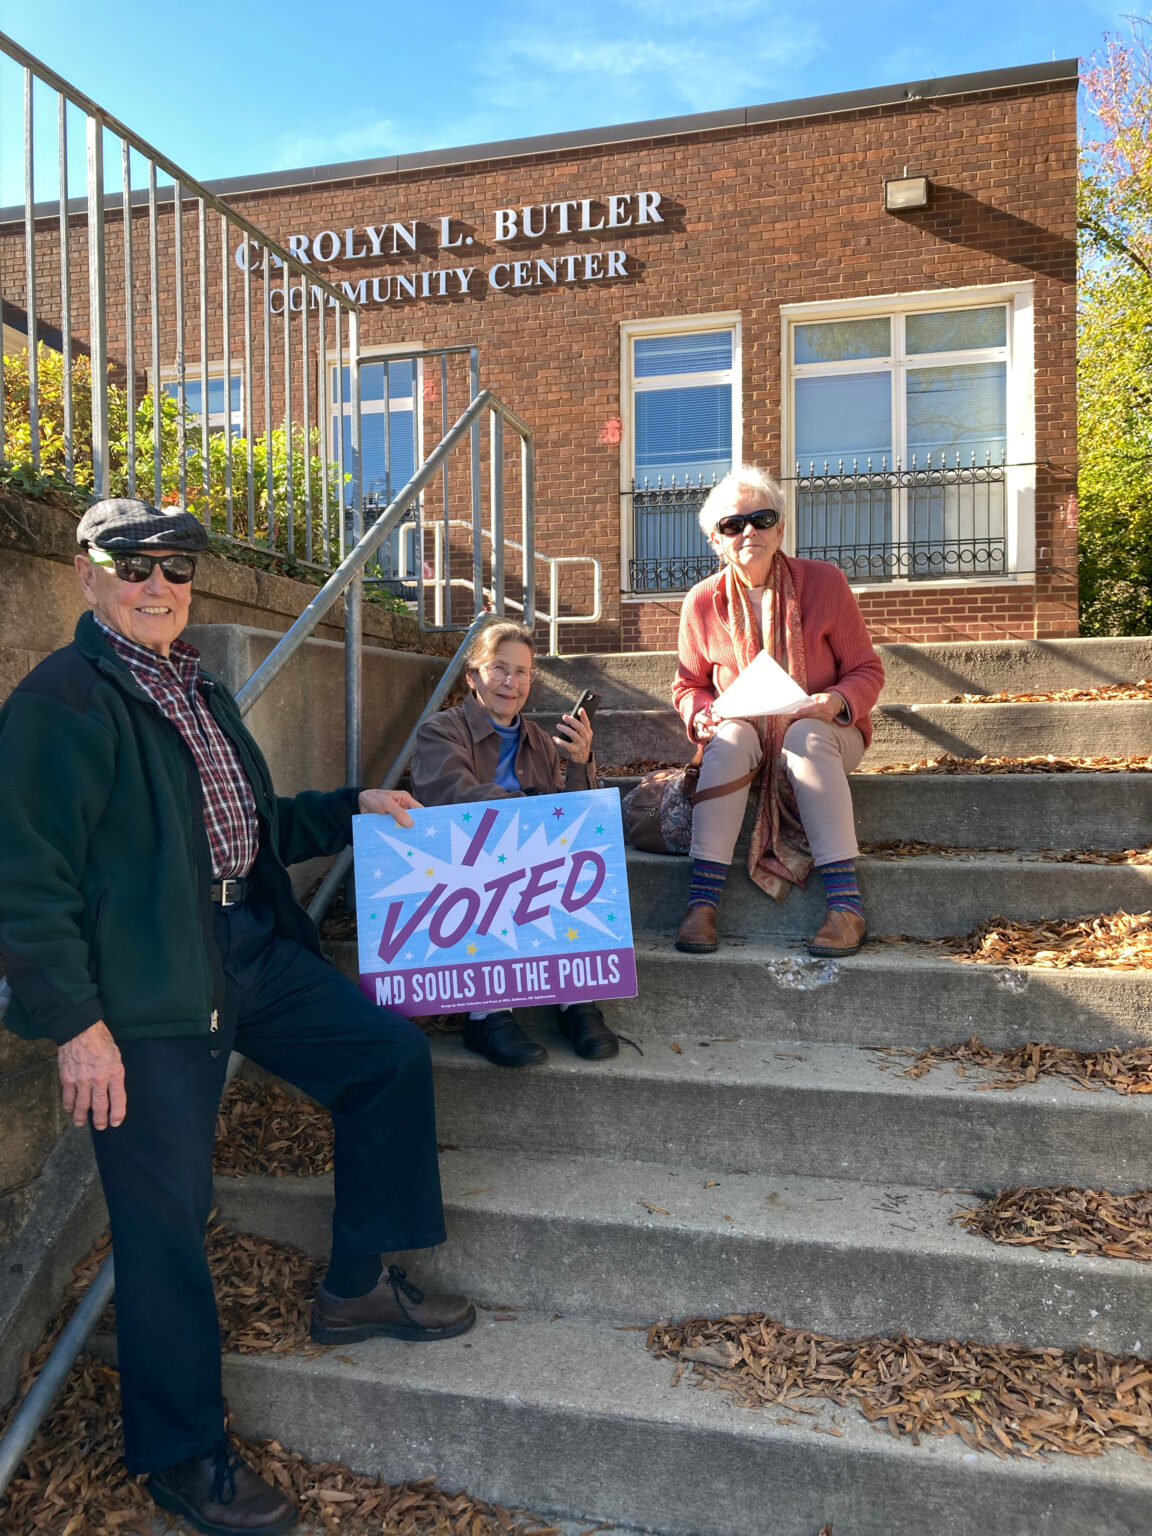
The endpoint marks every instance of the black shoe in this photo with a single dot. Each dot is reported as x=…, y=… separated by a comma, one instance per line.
x=221, y=1496
x=502, y=1041
x=584, y=1025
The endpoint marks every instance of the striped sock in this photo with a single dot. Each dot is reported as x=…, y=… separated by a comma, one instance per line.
x=707, y=883
x=840, y=887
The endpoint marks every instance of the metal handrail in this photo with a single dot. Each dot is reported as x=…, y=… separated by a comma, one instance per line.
x=299, y=359
x=554, y=618
x=332, y=881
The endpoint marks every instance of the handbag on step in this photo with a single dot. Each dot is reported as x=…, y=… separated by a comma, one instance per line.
x=658, y=811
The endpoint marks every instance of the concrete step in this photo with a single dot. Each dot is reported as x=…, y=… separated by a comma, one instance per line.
x=901, y=995
x=1001, y=810
x=906, y=732
x=793, y=1107
x=636, y=1241
x=915, y=674
x=925, y=897
x=570, y=1415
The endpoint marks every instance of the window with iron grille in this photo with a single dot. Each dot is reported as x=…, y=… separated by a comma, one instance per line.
x=681, y=386
x=900, y=435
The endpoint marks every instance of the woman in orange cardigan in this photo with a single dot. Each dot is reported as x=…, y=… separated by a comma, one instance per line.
x=804, y=614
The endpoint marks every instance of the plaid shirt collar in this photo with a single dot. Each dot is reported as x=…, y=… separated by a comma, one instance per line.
x=183, y=659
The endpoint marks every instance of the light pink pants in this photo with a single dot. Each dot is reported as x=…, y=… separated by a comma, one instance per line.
x=818, y=758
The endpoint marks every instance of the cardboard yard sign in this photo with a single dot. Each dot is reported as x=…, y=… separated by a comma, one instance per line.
x=495, y=904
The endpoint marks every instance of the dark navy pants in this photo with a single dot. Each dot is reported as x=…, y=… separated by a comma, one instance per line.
x=294, y=1014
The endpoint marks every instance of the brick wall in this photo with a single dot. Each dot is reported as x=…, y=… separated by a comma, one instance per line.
x=758, y=217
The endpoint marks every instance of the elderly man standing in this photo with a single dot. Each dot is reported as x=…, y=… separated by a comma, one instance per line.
x=149, y=927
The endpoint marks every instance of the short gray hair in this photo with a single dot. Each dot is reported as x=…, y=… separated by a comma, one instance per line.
x=726, y=493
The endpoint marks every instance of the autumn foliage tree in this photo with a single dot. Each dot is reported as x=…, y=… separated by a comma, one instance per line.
x=1115, y=338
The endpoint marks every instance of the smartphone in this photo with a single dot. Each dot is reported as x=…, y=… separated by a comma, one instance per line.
x=588, y=702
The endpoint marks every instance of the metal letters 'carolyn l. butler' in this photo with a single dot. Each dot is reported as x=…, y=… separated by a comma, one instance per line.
x=495, y=904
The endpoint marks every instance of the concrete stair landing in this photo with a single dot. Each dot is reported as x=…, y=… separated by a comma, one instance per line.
x=744, y=1153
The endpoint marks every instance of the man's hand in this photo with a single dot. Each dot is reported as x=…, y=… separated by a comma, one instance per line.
x=824, y=706
x=92, y=1076
x=389, y=802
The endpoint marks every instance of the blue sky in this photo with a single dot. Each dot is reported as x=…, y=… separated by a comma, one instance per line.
x=228, y=89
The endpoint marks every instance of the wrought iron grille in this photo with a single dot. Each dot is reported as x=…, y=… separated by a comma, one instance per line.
x=670, y=552
x=917, y=522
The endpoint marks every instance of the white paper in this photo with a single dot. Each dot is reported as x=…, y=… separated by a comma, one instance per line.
x=763, y=688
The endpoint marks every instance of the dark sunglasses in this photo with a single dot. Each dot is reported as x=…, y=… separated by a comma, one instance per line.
x=731, y=526
x=138, y=567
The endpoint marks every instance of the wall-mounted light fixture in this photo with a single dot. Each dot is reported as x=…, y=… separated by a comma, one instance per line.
x=904, y=192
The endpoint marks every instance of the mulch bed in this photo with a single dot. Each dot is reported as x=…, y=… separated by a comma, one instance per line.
x=1109, y=691
x=947, y=762
x=73, y=1482
x=1117, y=941
x=1124, y=1071
x=1068, y=1219
x=997, y=1397
x=1113, y=940
x=261, y=1128
x=912, y=848
x=637, y=768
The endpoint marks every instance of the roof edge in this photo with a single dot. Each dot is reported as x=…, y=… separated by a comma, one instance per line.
x=1052, y=72
x=664, y=127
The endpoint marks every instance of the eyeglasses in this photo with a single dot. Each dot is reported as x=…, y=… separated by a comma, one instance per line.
x=731, y=527
x=139, y=567
x=497, y=672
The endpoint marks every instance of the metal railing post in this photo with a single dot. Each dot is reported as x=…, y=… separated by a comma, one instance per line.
x=354, y=598
x=30, y=274
x=477, y=509
x=528, y=526
x=97, y=305
x=496, y=498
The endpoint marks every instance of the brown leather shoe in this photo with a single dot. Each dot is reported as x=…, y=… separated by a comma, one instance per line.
x=222, y=1497
x=395, y=1308
x=696, y=934
x=840, y=934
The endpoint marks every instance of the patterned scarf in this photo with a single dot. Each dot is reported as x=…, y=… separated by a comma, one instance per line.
x=778, y=856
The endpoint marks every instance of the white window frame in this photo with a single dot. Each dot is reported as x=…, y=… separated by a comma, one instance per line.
x=668, y=325
x=218, y=421
x=1020, y=444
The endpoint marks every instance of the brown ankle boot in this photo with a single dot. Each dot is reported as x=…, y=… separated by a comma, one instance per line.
x=696, y=934
x=840, y=934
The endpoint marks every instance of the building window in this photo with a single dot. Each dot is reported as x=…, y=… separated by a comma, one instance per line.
x=682, y=414
x=901, y=428
x=389, y=439
x=387, y=425
x=222, y=411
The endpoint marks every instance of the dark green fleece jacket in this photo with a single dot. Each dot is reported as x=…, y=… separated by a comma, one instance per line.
x=105, y=872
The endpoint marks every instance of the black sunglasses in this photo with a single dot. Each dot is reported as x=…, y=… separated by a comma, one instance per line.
x=138, y=567
x=738, y=521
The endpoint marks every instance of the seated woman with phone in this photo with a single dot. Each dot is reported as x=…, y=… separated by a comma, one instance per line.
x=484, y=749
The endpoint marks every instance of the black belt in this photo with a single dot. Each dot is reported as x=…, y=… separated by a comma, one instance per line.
x=230, y=892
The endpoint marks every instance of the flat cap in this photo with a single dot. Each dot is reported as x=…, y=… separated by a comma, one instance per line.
x=122, y=523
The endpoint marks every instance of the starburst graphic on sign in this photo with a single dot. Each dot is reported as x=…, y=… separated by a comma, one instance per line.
x=500, y=873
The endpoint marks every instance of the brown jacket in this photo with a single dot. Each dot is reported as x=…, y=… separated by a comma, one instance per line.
x=458, y=749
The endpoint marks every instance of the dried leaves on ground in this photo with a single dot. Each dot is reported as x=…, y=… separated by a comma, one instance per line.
x=1124, y=1071
x=912, y=848
x=636, y=768
x=73, y=1482
x=263, y=1129
x=1068, y=1219
x=997, y=1397
x=1108, y=691
x=1119, y=941
x=947, y=762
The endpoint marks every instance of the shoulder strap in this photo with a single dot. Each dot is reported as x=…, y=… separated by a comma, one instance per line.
x=714, y=791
